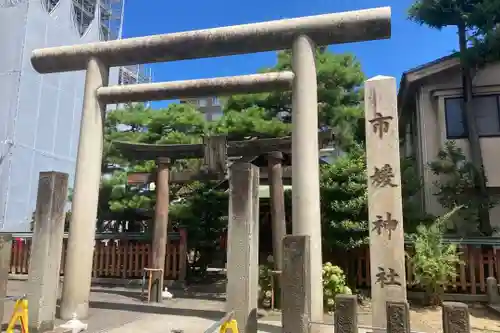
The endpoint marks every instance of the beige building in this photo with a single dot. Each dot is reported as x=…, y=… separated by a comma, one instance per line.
x=210, y=106
x=429, y=104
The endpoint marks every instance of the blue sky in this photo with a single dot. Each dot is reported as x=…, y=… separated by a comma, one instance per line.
x=410, y=45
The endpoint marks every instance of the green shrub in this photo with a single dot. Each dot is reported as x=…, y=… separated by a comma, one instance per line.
x=434, y=262
x=265, y=292
x=334, y=283
x=457, y=186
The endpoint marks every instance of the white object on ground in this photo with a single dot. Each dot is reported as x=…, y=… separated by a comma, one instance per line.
x=74, y=325
x=166, y=294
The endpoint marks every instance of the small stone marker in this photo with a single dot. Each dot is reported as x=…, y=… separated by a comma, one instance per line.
x=346, y=314
x=387, y=256
x=5, y=252
x=455, y=317
x=398, y=317
x=296, y=279
x=492, y=290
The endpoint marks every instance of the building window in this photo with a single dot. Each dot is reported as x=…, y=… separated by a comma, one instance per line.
x=50, y=5
x=217, y=115
x=487, y=112
x=215, y=101
x=202, y=103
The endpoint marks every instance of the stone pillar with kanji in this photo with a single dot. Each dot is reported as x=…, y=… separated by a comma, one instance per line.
x=387, y=255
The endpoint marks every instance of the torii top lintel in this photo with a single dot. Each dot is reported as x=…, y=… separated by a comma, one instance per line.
x=141, y=151
x=336, y=28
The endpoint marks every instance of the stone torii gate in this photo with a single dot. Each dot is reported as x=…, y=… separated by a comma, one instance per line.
x=299, y=34
x=215, y=151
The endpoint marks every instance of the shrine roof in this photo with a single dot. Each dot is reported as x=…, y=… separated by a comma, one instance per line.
x=244, y=148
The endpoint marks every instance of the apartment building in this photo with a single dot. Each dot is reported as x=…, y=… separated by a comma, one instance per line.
x=211, y=107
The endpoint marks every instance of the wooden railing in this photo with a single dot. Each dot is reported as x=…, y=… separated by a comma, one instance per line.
x=478, y=263
x=125, y=255
x=115, y=255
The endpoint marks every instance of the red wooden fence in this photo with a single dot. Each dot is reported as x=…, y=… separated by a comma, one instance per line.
x=125, y=258
x=113, y=258
x=479, y=262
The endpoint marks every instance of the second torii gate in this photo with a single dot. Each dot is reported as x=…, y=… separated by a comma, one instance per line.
x=215, y=151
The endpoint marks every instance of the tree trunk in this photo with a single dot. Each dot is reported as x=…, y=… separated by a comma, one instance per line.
x=473, y=135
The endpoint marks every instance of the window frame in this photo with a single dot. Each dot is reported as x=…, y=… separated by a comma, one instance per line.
x=217, y=115
x=465, y=134
x=202, y=103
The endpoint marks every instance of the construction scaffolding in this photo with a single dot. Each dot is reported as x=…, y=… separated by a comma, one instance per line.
x=111, y=27
x=49, y=5
x=111, y=20
x=134, y=74
x=84, y=14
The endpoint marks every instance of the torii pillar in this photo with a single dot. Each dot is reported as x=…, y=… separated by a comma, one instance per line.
x=278, y=219
x=80, y=250
x=306, y=213
x=160, y=229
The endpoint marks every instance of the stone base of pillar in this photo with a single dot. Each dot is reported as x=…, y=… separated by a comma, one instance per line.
x=296, y=280
x=155, y=293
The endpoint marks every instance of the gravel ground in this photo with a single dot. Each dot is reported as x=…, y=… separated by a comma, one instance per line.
x=422, y=319
x=428, y=320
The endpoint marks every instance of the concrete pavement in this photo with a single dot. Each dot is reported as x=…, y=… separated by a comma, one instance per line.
x=171, y=323
x=122, y=310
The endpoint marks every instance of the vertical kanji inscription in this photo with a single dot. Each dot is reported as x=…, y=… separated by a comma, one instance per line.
x=388, y=223
x=383, y=177
x=387, y=277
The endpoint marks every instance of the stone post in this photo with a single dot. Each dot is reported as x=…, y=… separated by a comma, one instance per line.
x=5, y=253
x=398, y=317
x=455, y=318
x=243, y=246
x=387, y=256
x=346, y=314
x=295, y=279
x=159, y=247
x=215, y=156
x=275, y=172
x=80, y=250
x=46, y=250
x=492, y=290
x=306, y=214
